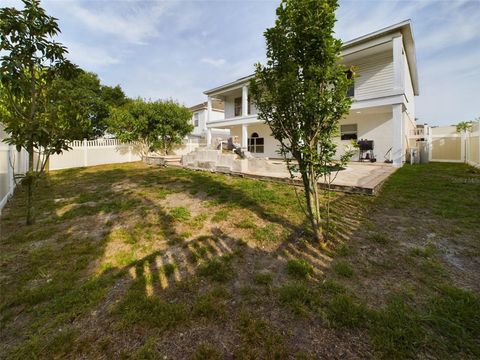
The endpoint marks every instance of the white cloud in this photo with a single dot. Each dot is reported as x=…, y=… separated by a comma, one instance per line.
x=130, y=22
x=214, y=62
x=90, y=57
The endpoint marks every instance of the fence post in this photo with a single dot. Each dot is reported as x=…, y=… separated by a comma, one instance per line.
x=85, y=155
x=430, y=143
x=10, y=170
x=463, y=137
x=129, y=152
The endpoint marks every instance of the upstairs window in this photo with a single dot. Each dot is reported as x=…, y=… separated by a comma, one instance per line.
x=195, y=119
x=348, y=132
x=256, y=144
x=238, y=106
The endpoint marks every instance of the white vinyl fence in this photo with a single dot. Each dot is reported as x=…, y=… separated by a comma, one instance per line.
x=94, y=152
x=449, y=146
x=472, y=145
x=11, y=163
x=105, y=151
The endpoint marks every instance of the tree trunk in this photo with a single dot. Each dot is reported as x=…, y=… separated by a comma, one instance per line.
x=313, y=204
x=30, y=183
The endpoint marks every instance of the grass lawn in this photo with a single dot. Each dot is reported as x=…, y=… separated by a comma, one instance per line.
x=138, y=262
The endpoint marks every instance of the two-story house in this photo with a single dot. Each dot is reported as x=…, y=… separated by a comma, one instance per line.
x=199, y=121
x=383, y=109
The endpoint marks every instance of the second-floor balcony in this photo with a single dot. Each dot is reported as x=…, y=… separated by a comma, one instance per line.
x=238, y=106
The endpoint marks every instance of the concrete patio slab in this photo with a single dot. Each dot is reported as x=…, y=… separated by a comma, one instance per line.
x=358, y=177
x=363, y=178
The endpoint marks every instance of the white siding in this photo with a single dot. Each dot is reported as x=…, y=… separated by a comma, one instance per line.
x=375, y=75
x=271, y=145
x=377, y=127
x=202, y=118
x=409, y=113
x=198, y=130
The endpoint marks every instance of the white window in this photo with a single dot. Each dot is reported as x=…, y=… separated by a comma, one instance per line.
x=238, y=106
x=256, y=144
x=348, y=132
x=195, y=119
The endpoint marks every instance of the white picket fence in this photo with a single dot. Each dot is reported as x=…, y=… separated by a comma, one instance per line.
x=105, y=151
x=94, y=152
x=12, y=163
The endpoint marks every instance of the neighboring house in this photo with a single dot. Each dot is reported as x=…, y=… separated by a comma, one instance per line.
x=383, y=109
x=199, y=121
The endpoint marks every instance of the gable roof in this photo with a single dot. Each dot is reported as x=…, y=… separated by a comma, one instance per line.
x=404, y=27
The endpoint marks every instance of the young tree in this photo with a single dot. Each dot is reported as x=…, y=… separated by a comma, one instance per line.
x=31, y=61
x=301, y=93
x=156, y=126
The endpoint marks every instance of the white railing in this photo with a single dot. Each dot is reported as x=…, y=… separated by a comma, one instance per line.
x=95, y=143
x=419, y=133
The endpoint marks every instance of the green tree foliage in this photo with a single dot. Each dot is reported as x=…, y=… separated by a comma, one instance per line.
x=301, y=93
x=155, y=125
x=93, y=100
x=31, y=63
x=464, y=126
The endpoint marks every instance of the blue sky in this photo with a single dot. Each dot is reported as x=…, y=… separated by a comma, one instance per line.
x=178, y=49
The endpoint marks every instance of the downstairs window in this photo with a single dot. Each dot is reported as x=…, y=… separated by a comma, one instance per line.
x=256, y=144
x=348, y=132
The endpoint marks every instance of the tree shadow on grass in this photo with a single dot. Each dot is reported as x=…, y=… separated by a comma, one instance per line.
x=80, y=202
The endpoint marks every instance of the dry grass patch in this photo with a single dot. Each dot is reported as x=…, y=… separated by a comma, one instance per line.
x=133, y=261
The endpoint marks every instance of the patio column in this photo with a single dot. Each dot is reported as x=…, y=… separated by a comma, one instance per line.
x=209, y=111
x=244, y=136
x=244, y=100
x=398, y=143
x=209, y=137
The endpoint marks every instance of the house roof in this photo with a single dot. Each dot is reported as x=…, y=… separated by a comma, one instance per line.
x=217, y=105
x=404, y=27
